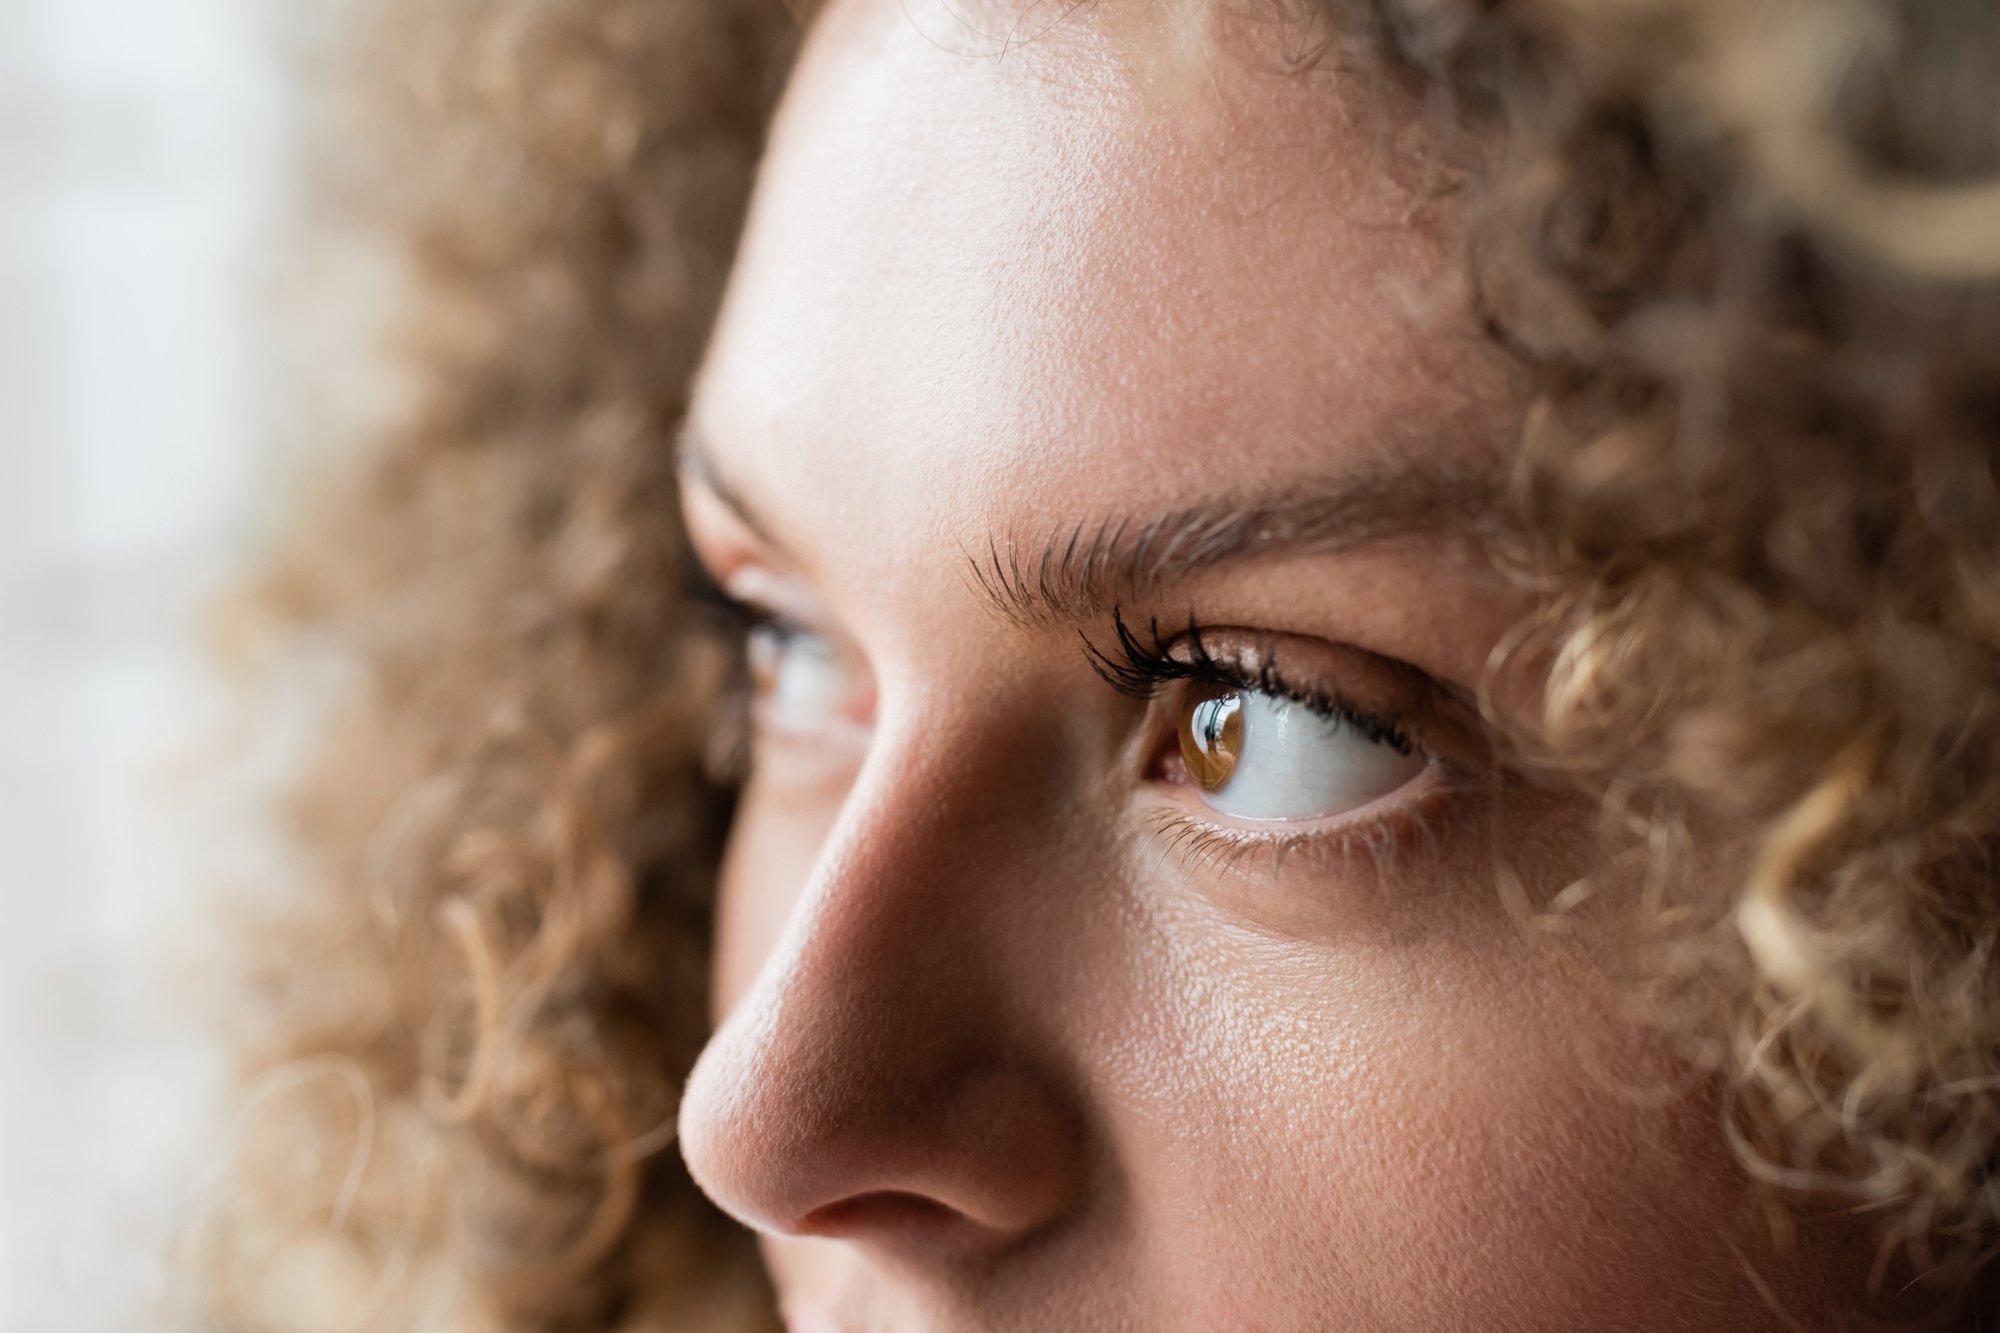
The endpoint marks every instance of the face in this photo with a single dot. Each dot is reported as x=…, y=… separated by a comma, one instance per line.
x=1111, y=936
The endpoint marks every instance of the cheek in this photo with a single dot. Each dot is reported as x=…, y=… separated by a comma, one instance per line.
x=1533, y=1178
x=1404, y=1129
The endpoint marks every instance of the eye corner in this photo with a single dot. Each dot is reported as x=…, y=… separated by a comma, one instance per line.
x=1166, y=766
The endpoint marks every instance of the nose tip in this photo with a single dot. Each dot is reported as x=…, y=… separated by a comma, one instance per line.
x=890, y=1149
x=895, y=1073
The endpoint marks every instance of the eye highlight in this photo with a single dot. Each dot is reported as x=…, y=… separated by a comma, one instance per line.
x=1211, y=734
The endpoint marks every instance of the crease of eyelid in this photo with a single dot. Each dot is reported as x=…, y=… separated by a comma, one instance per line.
x=1082, y=571
x=695, y=464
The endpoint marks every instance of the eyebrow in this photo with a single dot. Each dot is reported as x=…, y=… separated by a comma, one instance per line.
x=1085, y=570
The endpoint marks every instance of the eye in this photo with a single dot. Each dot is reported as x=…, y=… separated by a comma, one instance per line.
x=800, y=681
x=1255, y=755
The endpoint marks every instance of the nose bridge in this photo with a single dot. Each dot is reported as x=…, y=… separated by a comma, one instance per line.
x=883, y=1052
x=895, y=921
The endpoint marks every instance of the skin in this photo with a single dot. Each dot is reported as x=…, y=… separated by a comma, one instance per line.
x=1018, y=1033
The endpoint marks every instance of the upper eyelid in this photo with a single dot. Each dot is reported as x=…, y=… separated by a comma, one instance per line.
x=779, y=597
x=1385, y=727
x=1139, y=670
x=699, y=477
x=1268, y=679
x=730, y=544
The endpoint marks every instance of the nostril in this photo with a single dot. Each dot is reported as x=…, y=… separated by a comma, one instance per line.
x=883, y=1213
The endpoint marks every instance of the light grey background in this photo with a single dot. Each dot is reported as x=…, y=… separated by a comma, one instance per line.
x=139, y=173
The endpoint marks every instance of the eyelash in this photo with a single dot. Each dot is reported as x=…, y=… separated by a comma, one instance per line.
x=727, y=751
x=732, y=619
x=1140, y=668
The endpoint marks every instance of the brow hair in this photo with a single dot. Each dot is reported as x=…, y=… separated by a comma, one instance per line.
x=1084, y=571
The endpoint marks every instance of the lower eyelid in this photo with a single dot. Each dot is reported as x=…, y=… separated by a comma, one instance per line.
x=1415, y=811
x=815, y=764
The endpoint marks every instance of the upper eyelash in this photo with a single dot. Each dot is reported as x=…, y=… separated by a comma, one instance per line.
x=1138, y=667
x=732, y=615
x=705, y=593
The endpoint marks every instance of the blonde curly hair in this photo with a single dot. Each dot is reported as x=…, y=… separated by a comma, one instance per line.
x=1749, y=251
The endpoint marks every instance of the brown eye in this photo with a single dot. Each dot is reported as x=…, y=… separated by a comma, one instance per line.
x=1211, y=734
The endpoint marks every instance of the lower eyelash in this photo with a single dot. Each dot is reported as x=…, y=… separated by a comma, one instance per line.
x=1414, y=827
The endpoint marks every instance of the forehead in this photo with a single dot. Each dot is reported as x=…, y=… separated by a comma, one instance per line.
x=1114, y=262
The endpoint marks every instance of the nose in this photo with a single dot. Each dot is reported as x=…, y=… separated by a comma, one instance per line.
x=882, y=1081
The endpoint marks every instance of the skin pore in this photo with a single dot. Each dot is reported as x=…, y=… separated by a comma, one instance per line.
x=1037, y=355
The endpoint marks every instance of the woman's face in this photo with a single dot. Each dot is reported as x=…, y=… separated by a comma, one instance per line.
x=1112, y=936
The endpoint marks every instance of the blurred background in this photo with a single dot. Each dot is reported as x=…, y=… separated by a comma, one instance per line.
x=140, y=183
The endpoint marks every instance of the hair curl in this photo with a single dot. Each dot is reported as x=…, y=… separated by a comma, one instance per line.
x=1747, y=248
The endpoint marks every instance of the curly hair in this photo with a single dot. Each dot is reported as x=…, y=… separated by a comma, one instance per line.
x=1749, y=252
